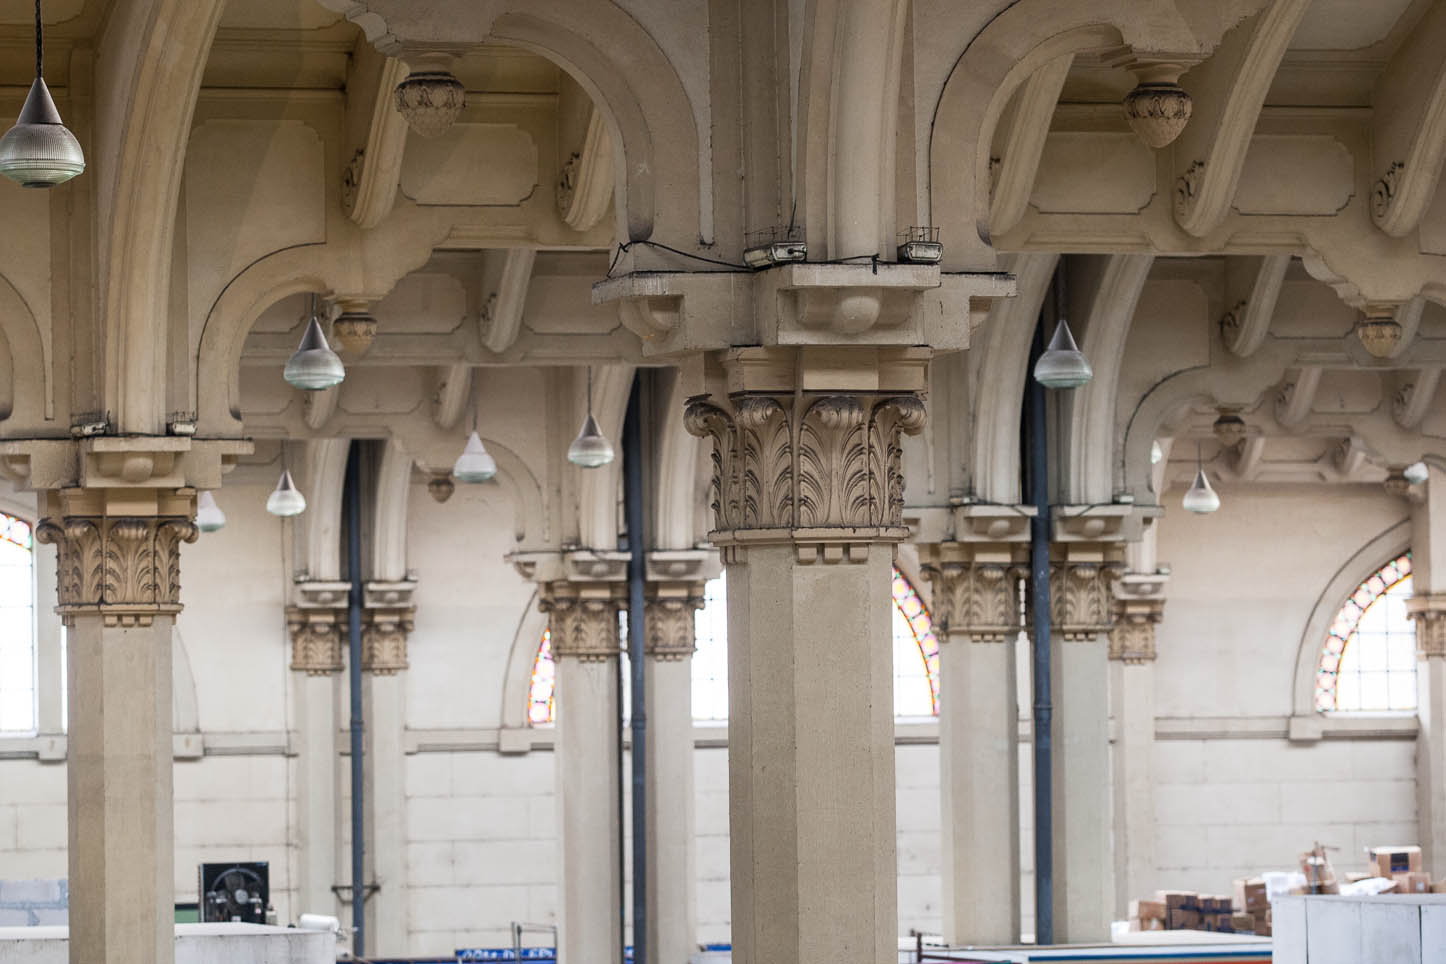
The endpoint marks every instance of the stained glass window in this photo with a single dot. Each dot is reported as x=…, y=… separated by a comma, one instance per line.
x=916, y=659
x=17, y=626
x=1368, y=662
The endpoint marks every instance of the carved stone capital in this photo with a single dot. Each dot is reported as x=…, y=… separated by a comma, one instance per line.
x=821, y=470
x=1429, y=612
x=1132, y=639
x=974, y=599
x=1081, y=602
x=316, y=640
x=670, y=612
x=119, y=554
x=384, y=640
x=582, y=619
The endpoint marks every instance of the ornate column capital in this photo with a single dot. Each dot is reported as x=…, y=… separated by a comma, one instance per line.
x=806, y=447
x=1081, y=604
x=317, y=621
x=1429, y=612
x=583, y=618
x=1139, y=605
x=974, y=593
x=670, y=612
x=387, y=621
x=118, y=551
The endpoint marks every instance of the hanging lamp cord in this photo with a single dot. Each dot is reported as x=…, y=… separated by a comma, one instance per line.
x=39, y=46
x=589, y=391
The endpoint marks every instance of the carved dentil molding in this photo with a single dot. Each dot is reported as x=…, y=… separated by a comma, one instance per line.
x=124, y=567
x=974, y=599
x=825, y=461
x=1081, y=602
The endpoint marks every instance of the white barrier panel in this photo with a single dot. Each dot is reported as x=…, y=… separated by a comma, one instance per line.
x=195, y=944
x=1327, y=929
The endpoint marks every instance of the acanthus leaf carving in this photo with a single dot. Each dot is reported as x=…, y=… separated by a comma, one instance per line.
x=670, y=626
x=975, y=600
x=1080, y=599
x=123, y=565
x=582, y=628
x=833, y=471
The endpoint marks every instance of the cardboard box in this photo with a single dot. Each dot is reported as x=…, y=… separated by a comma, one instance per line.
x=1179, y=899
x=1439, y=887
x=1250, y=895
x=1412, y=883
x=1148, y=909
x=1390, y=861
x=1242, y=923
x=1148, y=924
x=1183, y=920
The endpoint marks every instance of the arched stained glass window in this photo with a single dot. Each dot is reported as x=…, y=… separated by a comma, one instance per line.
x=916, y=659
x=17, y=626
x=1368, y=662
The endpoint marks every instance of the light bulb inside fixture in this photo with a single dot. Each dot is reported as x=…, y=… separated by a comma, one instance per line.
x=474, y=464
x=1062, y=365
x=286, y=499
x=209, y=517
x=1201, y=498
x=590, y=449
x=1416, y=472
x=314, y=366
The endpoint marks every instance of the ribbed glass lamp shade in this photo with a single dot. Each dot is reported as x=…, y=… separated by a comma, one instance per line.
x=286, y=499
x=1062, y=365
x=1416, y=473
x=314, y=366
x=209, y=516
x=474, y=464
x=1200, y=498
x=39, y=151
x=590, y=449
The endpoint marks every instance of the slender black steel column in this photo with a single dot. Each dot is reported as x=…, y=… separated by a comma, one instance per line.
x=637, y=659
x=353, y=499
x=1037, y=450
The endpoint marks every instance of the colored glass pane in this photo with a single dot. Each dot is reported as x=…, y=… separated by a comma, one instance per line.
x=1368, y=659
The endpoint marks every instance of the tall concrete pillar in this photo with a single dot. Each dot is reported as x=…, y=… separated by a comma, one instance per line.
x=1084, y=890
x=1428, y=608
x=672, y=900
x=1139, y=606
x=583, y=621
x=977, y=614
x=808, y=502
x=118, y=589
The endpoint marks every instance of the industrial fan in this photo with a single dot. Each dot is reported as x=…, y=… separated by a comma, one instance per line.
x=234, y=892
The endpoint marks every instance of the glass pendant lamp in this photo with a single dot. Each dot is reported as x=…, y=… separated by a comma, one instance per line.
x=1416, y=472
x=39, y=151
x=591, y=449
x=1062, y=365
x=1200, y=498
x=286, y=499
x=209, y=517
x=314, y=366
x=475, y=464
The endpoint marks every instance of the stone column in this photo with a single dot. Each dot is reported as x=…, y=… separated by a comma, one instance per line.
x=808, y=501
x=387, y=619
x=1139, y=606
x=672, y=904
x=317, y=620
x=1429, y=612
x=1084, y=891
x=977, y=615
x=583, y=620
x=118, y=576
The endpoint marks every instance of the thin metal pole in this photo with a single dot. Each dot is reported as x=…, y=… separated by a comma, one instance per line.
x=637, y=659
x=354, y=675
x=1037, y=446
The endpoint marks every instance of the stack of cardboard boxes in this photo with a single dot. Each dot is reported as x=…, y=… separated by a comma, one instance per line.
x=1401, y=865
x=1184, y=910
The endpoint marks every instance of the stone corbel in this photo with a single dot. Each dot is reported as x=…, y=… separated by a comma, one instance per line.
x=120, y=462
x=387, y=620
x=1429, y=613
x=975, y=522
x=1116, y=522
x=317, y=619
x=1139, y=605
x=682, y=565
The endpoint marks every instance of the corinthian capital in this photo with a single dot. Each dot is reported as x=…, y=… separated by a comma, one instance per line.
x=1080, y=598
x=671, y=620
x=974, y=599
x=1429, y=612
x=582, y=619
x=120, y=557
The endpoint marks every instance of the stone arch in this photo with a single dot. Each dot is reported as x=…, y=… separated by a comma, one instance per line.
x=517, y=680
x=29, y=375
x=185, y=710
x=597, y=489
x=1386, y=545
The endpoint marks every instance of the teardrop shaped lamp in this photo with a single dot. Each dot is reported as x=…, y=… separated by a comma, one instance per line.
x=1062, y=365
x=39, y=151
x=1200, y=498
x=475, y=464
x=286, y=499
x=209, y=517
x=314, y=366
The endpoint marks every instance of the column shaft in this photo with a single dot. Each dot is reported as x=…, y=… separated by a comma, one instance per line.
x=1139, y=607
x=316, y=792
x=387, y=924
x=1429, y=611
x=1083, y=862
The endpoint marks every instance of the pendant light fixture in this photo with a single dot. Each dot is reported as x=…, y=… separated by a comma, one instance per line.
x=209, y=517
x=1416, y=472
x=286, y=499
x=39, y=151
x=314, y=366
x=1200, y=498
x=1062, y=365
x=591, y=449
x=474, y=465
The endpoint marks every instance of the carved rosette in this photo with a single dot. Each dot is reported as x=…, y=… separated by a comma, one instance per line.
x=670, y=625
x=1429, y=612
x=975, y=600
x=1132, y=640
x=316, y=642
x=1080, y=599
x=581, y=627
x=829, y=461
x=126, y=568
